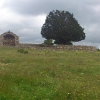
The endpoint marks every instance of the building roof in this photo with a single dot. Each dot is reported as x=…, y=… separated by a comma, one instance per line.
x=9, y=32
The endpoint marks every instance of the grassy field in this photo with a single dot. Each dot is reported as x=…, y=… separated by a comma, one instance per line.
x=49, y=75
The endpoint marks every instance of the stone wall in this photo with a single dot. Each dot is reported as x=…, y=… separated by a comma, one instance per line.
x=58, y=47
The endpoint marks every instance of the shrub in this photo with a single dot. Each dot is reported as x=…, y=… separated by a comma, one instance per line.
x=98, y=49
x=25, y=52
x=48, y=42
x=22, y=50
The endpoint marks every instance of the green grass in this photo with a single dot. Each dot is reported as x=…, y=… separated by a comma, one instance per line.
x=49, y=75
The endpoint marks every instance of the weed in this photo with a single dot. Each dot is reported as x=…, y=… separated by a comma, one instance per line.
x=22, y=50
x=25, y=52
x=7, y=60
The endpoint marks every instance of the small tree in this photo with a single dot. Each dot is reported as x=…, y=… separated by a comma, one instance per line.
x=62, y=27
x=48, y=42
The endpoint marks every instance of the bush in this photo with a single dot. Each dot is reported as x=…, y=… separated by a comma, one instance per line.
x=22, y=50
x=98, y=49
x=25, y=52
x=48, y=42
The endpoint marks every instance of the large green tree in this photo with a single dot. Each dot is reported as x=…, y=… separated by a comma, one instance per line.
x=62, y=27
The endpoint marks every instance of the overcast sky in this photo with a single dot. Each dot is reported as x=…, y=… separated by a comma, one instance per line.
x=26, y=17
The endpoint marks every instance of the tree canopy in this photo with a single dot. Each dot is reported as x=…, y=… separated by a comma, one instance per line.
x=62, y=27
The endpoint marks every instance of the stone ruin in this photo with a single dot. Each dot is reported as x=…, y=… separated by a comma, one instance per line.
x=9, y=39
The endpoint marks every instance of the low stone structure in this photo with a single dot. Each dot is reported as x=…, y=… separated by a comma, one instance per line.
x=9, y=39
x=59, y=47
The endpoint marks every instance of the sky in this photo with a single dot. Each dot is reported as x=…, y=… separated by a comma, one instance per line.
x=26, y=17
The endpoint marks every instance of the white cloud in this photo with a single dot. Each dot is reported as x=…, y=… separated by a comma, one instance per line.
x=2, y=2
x=9, y=17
